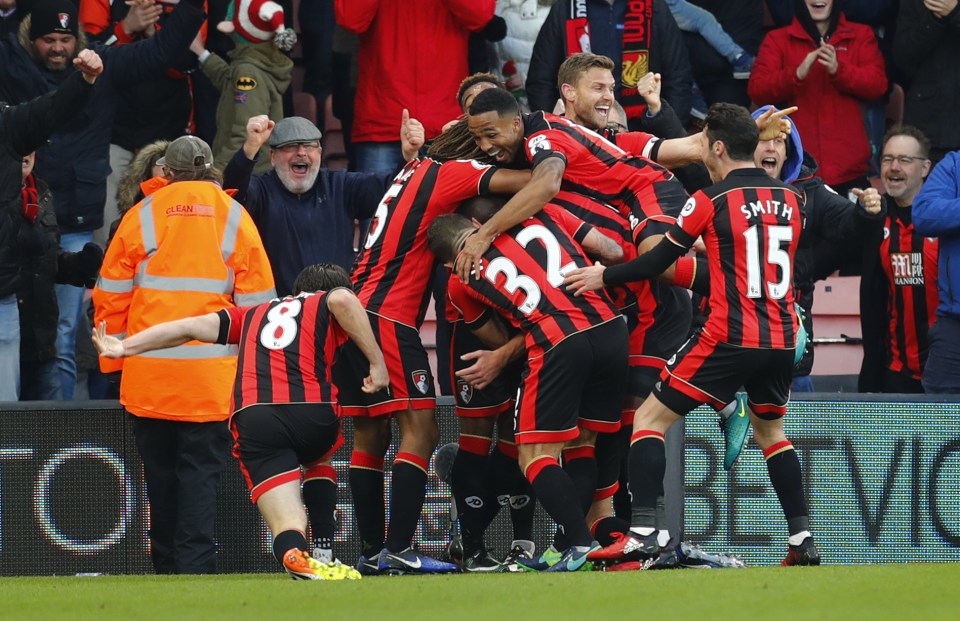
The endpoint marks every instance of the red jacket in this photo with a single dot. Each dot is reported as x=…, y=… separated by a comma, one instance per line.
x=413, y=54
x=829, y=120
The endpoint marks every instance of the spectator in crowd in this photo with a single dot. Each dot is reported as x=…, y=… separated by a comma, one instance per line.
x=143, y=177
x=299, y=195
x=936, y=213
x=276, y=435
x=43, y=264
x=693, y=18
x=638, y=40
x=75, y=164
x=831, y=224
x=254, y=81
x=186, y=249
x=712, y=70
x=23, y=129
x=165, y=98
x=11, y=14
x=828, y=67
x=898, y=291
x=925, y=51
x=510, y=56
x=346, y=44
x=316, y=25
x=881, y=16
x=389, y=31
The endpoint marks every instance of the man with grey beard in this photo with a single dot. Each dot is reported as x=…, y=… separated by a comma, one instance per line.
x=305, y=213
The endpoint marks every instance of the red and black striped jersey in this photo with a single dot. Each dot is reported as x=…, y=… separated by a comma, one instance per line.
x=287, y=347
x=750, y=225
x=522, y=279
x=634, y=300
x=909, y=262
x=638, y=143
x=596, y=167
x=394, y=270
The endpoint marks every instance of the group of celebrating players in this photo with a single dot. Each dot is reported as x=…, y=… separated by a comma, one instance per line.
x=567, y=244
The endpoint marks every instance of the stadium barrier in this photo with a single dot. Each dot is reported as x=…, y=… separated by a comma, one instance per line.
x=883, y=479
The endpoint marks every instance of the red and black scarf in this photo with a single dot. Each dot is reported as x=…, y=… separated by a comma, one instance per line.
x=31, y=199
x=635, y=60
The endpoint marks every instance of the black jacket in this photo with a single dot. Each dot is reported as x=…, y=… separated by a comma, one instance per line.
x=43, y=265
x=668, y=56
x=76, y=162
x=163, y=98
x=23, y=129
x=926, y=50
x=831, y=225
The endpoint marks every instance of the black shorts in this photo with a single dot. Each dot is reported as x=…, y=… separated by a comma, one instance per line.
x=500, y=396
x=272, y=441
x=411, y=381
x=581, y=382
x=706, y=371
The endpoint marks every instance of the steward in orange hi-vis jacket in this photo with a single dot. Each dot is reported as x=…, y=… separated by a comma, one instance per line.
x=187, y=249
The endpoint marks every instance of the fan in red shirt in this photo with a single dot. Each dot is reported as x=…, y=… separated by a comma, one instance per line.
x=750, y=224
x=284, y=407
x=576, y=369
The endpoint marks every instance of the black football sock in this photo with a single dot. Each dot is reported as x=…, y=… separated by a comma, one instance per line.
x=407, y=490
x=320, y=498
x=608, y=529
x=558, y=496
x=787, y=479
x=287, y=540
x=468, y=481
x=366, y=488
x=580, y=463
x=523, y=506
x=648, y=464
x=512, y=489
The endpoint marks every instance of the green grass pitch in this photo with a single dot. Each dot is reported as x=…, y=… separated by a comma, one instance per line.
x=874, y=593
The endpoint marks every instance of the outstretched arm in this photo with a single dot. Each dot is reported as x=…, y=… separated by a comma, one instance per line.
x=203, y=328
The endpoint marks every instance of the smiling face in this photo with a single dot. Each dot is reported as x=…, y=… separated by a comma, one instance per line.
x=771, y=156
x=499, y=137
x=297, y=165
x=819, y=9
x=56, y=50
x=588, y=102
x=903, y=168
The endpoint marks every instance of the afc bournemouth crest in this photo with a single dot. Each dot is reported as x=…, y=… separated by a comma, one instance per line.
x=64, y=19
x=464, y=390
x=421, y=381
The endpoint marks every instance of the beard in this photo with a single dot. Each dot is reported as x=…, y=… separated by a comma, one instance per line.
x=298, y=185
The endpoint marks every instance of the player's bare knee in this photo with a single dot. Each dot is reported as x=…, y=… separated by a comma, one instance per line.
x=767, y=432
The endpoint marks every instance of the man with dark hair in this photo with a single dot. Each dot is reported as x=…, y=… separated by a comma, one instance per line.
x=576, y=370
x=562, y=152
x=750, y=224
x=284, y=420
x=898, y=291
